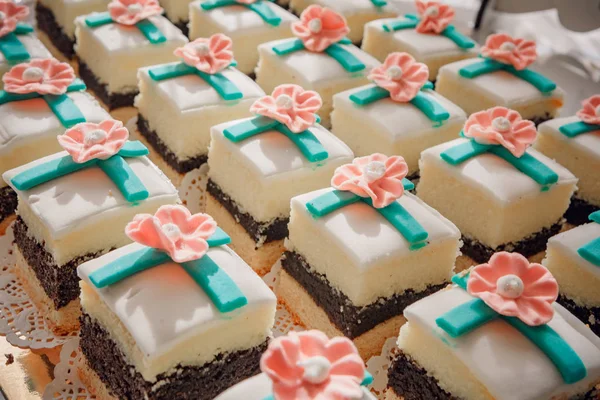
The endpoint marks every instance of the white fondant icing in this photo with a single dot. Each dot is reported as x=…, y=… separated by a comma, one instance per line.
x=570, y=241
x=587, y=142
x=65, y=11
x=34, y=47
x=176, y=10
x=509, y=365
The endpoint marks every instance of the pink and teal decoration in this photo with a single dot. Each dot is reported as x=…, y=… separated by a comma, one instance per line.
x=589, y=115
x=260, y=7
x=513, y=55
x=10, y=29
x=378, y=181
x=173, y=234
x=379, y=3
x=48, y=79
x=521, y=294
x=591, y=251
x=131, y=13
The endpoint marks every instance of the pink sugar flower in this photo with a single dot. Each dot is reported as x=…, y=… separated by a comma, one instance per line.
x=291, y=105
x=10, y=14
x=174, y=230
x=130, y=12
x=501, y=126
x=435, y=17
x=246, y=1
x=320, y=27
x=210, y=55
x=400, y=75
x=87, y=140
x=590, y=113
x=310, y=366
x=519, y=53
x=43, y=76
x=512, y=286
x=376, y=176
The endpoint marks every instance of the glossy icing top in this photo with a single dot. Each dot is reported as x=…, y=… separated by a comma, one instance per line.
x=587, y=142
x=35, y=48
x=571, y=240
x=238, y=18
x=351, y=7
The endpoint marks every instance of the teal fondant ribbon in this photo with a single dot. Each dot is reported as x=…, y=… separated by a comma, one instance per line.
x=11, y=47
x=527, y=164
x=145, y=26
x=486, y=66
x=450, y=32
x=591, y=251
x=306, y=141
x=226, y=89
x=577, y=128
x=397, y=215
x=115, y=167
x=61, y=105
x=216, y=283
x=346, y=59
x=475, y=313
x=260, y=7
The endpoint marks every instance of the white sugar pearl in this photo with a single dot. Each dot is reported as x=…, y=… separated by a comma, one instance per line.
x=94, y=137
x=507, y=46
x=316, y=369
x=501, y=124
x=171, y=230
x=134, y=8
x=315, y=25
x=2, y=16
x=510, y=286
x=598, y=111
x=432, y=11
x=374, y=170
x=284, y=101
x=33, y=74
x=394, y=72
x=202, y=48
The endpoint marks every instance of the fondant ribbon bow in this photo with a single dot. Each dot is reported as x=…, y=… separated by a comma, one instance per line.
x=502, y=132
x=322, y=30
x=48, y=79
x=521, y=294
x=378, y=181
x=290, y=110
x=260, y=7
x=206, y=58
x=402, y=79
x=434, y=18
x=591, y=251
x=130, y=13
x=102, y=145
x=513, y=55
x=174, y=234
x=10, y=27
x=589, y=116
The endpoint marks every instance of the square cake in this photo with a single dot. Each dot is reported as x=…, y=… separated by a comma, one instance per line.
x=573, y=257
x=248, y=25
x=324, y=60
x=399, y=113
x=178, y=12
x=358, y=254
x=497, y=334
x=575, y=143
x=72, y=208
x=501, y=78
x=429, y=37
x=56, y=22
x=256, y=165
x=501, y=194
x=183, y=314
x=179, y=103
x=357, y=12
x=123, y=41
x=31, y=118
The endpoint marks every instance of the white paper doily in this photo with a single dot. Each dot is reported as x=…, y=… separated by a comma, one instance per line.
x=66, y=384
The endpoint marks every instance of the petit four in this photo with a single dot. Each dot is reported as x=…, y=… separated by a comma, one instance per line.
x=56, y=22
x=307, y=365
x=575, y=143
x=321, y=58
x=429, y=37
x=501, y=194
x=496, y=334
x=256, y=165
x=179, y=103
x=178, y=12
x=131, y=35
x=177, y=314
x=40, y=100
x=398, y=113
x=360, y=252
x=249, y=23
x=501, y=78
x=72, y=208
x=356, y=12
x=573, y=257
x=18, y=43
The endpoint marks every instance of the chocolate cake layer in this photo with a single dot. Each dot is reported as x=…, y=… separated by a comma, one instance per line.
x=272, y=231
x=528, y=247
x=8, y=202
x=541, y=119
x=60, y=284
x=111, y=100
x=161, y=148
x=589, y=316
x=203, y=382
x=579, y=211
x=182, y=25
x=46, y=22
x=353, y=321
